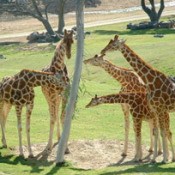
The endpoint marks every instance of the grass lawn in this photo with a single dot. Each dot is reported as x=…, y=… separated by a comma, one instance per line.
x=102, y=122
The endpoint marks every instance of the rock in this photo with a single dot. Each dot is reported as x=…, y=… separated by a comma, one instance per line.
x=2, y=56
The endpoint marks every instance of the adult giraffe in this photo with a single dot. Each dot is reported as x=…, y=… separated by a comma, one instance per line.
x=18, y=90
x=161, y=90
x=140, y=111
x=52, y=95
x=130, y=82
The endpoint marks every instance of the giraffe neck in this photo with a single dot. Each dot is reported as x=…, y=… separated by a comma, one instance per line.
x=140, y=67
x=121, y=98
x=58, y=58
x=124, y=76
x=148, y=74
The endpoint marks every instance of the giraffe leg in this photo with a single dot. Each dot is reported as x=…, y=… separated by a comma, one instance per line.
x=63, y=113
x=155, y=133
x=137, y=121
x=2, y=118
x=53, y=106
x=169, y=136
x=29, y=108
x=19, y=125
x=171, y=144
x=4, y=114
x=65, y=98
x=164, y=144
x=164, y=127
x=151, y=136
x=159, y=144
x=125, y=108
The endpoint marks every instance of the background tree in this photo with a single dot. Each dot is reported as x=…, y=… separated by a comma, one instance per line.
x=40, y=9
x=151, y=11
x=36, y=9
x=61, y=7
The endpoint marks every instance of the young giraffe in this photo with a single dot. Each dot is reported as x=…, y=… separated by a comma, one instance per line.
x=52, y=94
x=18, y=90
x=130, y=82
x=140, y=111
x=160, y=88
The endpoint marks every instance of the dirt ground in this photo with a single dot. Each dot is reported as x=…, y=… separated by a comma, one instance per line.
x=93, y=154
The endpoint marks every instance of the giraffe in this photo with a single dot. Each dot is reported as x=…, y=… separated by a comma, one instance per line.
x=130, y=82
x=160, y=89
x=18, y=90
x=52, y=94
x=140, y=111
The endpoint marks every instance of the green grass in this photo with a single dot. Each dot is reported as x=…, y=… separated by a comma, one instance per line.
x=102, y=122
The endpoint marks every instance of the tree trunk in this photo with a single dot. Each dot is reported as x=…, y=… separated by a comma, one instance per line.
x=33, y=10
x=151, y=12
x=48, y=27
x=61, y=22
x=76, y=79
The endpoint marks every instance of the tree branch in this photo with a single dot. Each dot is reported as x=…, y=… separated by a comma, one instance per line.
x=145, y=8
x=162, y=6
x=36, y=8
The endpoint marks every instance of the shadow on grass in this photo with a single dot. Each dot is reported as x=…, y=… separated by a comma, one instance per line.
x=32, y=162
x=36, y=164
x=56, y=168
x=9, y=43
x=136, y=32
x=144, y=168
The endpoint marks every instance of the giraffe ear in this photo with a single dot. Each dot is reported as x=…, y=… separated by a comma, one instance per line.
x=96, y=56
x=116, y=37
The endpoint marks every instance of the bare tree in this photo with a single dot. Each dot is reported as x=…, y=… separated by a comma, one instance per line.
x=35, y=8
x=61, y=22
x=151, y=11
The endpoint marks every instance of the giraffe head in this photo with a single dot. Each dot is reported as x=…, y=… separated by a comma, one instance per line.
x=97, y=60
x=68, y=41
x=94, y=102
x=113, y=45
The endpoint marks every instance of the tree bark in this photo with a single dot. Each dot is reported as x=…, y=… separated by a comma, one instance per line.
x=151, y=12
x=61, y=22
x=35, y=12
x=76, y=79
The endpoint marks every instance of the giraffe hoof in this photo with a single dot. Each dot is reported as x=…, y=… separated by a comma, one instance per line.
x=137, y=160
x=21, y=155
x=173, y=160
x=67, y=151
x=159, y=153
x=4, y=146
x=123, y=154
x=31, y=156
x=153, y=161
x=164, y=161
x=150, y=150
